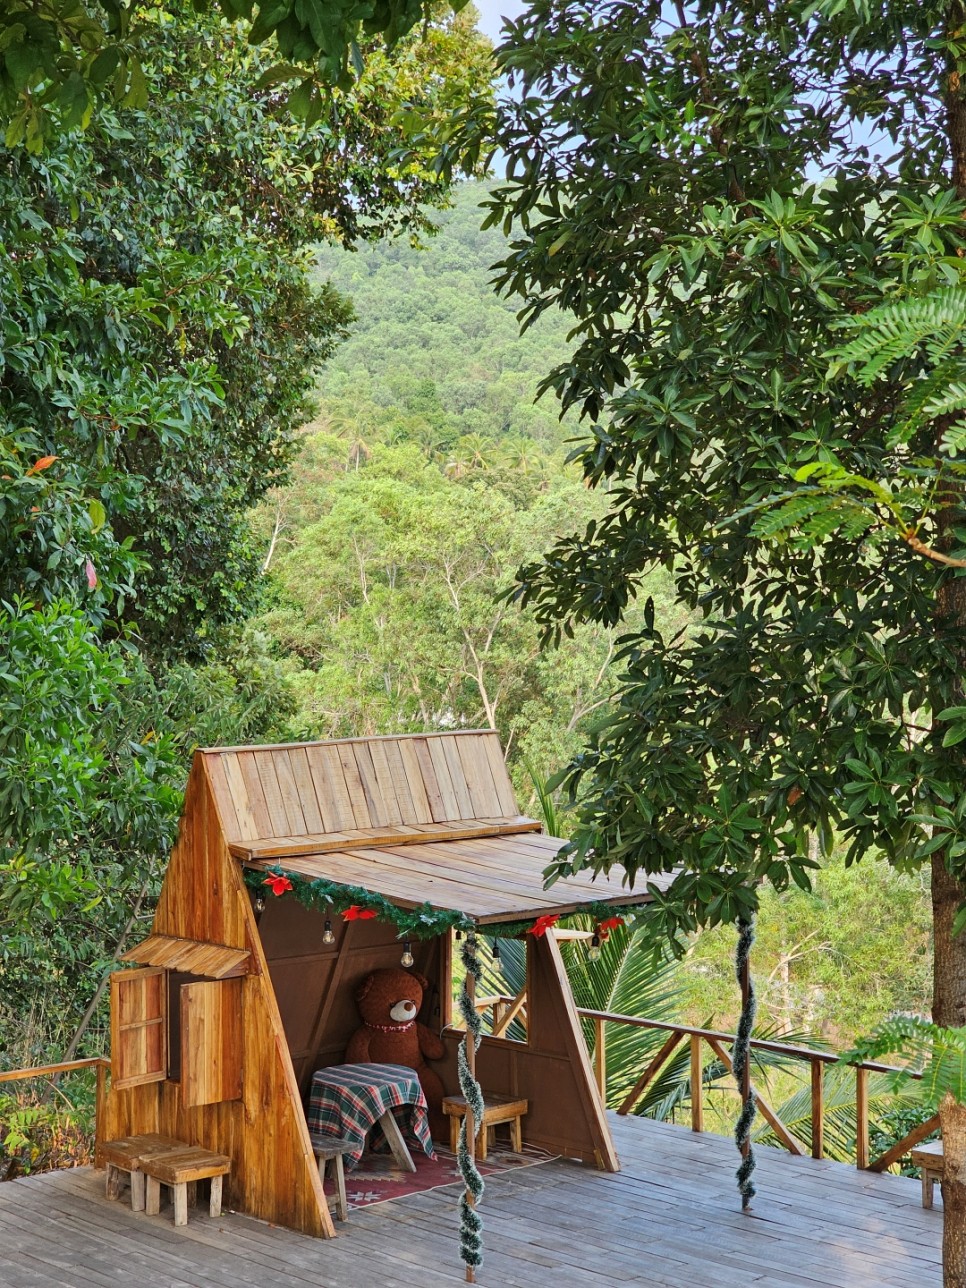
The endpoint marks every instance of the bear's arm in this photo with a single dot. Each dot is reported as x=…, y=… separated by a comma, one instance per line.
x=357, y=1052
x=430, y=1043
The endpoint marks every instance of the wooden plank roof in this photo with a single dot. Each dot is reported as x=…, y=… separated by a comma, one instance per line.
x=418, y=818
x=359, y=784
x=215, y=961
x=491, y=879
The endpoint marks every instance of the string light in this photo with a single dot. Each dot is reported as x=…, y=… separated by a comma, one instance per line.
x=497, y=959
x=328, y=936
x=407, y=958
x=259, y=904
x=593, y=952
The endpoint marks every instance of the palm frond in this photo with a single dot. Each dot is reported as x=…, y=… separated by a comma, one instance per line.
x=884, y=335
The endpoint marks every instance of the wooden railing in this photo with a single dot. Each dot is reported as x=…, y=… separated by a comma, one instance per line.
x=97, y=1062
x=52, y=1071
x=719, y=1044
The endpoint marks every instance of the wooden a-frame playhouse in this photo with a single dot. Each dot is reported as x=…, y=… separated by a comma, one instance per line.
x=217, y=1031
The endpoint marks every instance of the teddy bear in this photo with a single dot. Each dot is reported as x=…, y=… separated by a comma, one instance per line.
x=389, y=1001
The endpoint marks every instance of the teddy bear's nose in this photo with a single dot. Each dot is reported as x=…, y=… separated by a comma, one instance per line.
x=404, y=1010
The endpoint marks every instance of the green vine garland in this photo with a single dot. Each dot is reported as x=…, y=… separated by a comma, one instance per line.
x=740, y=1057
x=423, y=922
x=471, y=1223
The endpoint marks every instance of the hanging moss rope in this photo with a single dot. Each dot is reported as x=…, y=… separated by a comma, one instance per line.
x=740, y=1063
x=471, y=1223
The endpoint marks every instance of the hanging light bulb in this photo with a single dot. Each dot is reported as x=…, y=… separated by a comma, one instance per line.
x=407, y=958
x=259, y=904
x=497, y=959
x=459, y=935
x=593, y=952
x=328, y=937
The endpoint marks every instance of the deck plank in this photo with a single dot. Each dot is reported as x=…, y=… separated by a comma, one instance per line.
x=669, y=1219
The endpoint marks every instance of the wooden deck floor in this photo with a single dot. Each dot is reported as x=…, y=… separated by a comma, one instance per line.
x=668, y=1220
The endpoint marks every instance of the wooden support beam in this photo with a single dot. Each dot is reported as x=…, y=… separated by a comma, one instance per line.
x=818, y=1109
x=697, y=1086
x=512, y=1011
x=791, y=1143
x=640, y=1086
x=600, y=1058
x=902, y=1147
x=861, y=1118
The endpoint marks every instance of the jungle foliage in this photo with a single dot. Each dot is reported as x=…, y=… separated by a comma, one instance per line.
x=714, y=192
x=161, y=333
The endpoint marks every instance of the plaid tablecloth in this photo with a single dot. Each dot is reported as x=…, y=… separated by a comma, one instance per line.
x=347, y=1099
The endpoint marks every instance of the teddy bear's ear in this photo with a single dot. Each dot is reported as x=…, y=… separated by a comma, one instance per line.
x=362, y=992
x=421, y=980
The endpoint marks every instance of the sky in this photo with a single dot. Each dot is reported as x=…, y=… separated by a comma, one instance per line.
x=492, y=13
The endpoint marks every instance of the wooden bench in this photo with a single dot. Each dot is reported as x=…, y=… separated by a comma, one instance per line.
x=179, y=1169
x=129, y=1155
x=331, y=1151
x=929, y=1160
x=497, y=1110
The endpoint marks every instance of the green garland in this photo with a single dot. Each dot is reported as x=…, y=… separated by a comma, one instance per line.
x=740, y=1056
x=598, y=912
x=471, y=1223
x=424, y=922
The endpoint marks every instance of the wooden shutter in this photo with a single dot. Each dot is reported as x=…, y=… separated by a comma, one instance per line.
x=211, y=1042
x=138, y=1027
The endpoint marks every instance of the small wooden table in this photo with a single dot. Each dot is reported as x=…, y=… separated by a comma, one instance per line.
x=929, y=1160
x=497, y=1110
x=347, y=1100
x=179, y=1169
x=129, y=1155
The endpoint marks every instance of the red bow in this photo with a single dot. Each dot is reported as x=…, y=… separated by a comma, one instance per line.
x=543, y=924
x=355, y=913
x=278, y=884
x=607, y=926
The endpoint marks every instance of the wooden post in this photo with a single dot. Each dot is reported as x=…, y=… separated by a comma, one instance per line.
x=861, y=1118
x=818, y=1109
x=697, y=1085
x=100, y=1111
x=600, y=1058
x=470, y=986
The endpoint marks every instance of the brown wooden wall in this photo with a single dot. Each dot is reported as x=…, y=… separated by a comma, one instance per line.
x=315, y=985
x=551, y=1069
x=273, y=1174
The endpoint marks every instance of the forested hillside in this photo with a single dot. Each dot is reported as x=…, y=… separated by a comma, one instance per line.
x=427, y=478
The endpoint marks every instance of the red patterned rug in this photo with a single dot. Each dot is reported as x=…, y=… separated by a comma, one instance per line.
x=379, y=1178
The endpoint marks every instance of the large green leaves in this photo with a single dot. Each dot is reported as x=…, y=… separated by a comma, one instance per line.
x=688, y=187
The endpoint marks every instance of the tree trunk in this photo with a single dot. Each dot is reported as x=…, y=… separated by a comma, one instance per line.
x=949, y=962
x=948, y=892
x=952, y=1117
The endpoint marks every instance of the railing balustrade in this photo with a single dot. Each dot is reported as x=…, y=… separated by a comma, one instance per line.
x=719, y=1043
x=504, y=1009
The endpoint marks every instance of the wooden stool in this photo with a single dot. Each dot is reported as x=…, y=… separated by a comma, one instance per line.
x=496, y=1110
x=331, y=1151
x=179, y=1170
x=929, y=1160
x=128, y=1155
